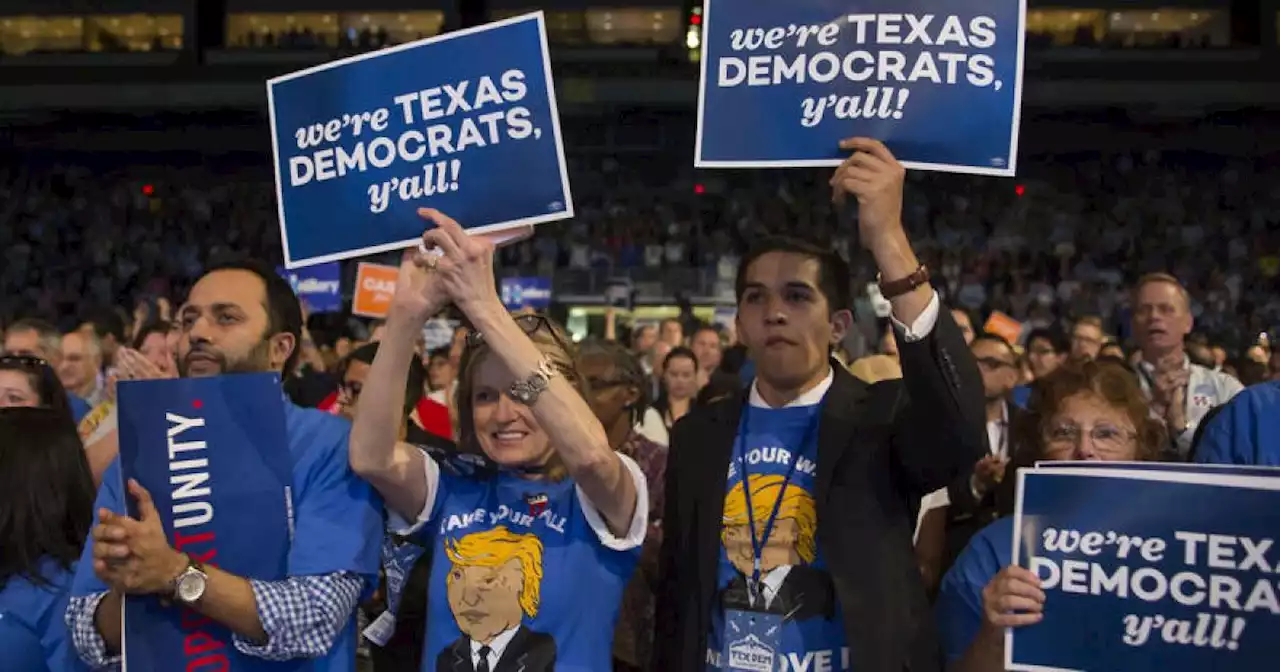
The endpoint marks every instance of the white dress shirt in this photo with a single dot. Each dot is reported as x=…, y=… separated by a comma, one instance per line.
x=496, y=648
x=1206, y=388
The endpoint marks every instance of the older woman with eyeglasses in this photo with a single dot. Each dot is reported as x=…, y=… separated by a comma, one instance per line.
x=529, y=560
x=1092, y=410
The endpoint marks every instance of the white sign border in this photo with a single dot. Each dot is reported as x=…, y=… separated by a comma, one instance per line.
x=1007, y=171
x=567, y=213
x=1220, y=480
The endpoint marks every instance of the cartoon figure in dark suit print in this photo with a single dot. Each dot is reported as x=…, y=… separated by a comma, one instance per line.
x=494, y=582
x=793, y=589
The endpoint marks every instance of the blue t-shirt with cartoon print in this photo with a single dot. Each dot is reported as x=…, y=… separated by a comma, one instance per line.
x=797, y=588
x=524, y=573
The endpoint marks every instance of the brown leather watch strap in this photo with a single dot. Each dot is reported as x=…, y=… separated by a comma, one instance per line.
x=895, y=288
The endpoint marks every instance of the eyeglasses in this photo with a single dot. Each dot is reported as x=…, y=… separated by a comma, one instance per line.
x=1105, y=438
x=22, y=362
x=529, y=323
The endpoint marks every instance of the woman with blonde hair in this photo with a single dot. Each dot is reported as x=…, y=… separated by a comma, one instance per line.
x=1084, y=411
x=560, y=516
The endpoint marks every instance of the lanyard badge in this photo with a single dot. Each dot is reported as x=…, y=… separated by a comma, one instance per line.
x=753, y=636
x=755, y=584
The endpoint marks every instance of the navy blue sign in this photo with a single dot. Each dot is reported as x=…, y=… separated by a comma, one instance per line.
x=1148, y=570
x=784, y=82
x=532, y=293
x=464, y=122
x=320, y=286
x=1183, y=467
x=213, y=455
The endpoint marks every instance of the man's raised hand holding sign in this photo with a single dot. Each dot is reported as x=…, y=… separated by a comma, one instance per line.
x=874, y=177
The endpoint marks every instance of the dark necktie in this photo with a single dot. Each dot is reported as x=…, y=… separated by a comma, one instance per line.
x=484, y=659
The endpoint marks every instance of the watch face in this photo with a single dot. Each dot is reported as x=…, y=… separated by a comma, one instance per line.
x=191, y=587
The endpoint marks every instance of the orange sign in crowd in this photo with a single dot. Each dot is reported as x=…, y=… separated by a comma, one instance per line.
x=1001, y=325
x=375, y=285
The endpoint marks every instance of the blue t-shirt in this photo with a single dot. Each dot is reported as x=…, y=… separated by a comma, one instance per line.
x=524, y=571
x=1021, y=396
x=79, y=407
x=337, y=517
x=792, y=568
x=959, y=606
x=33, y=634
x=1246, y=431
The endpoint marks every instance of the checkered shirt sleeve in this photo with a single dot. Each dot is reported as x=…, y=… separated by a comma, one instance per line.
x=302, y=616
x=84, y=633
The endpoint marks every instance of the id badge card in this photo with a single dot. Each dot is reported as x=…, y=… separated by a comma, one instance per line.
x=752, y=640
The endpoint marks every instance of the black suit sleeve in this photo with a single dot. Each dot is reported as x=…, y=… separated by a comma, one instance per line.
x=939, y=429
x=668, y=619
x=960, y=499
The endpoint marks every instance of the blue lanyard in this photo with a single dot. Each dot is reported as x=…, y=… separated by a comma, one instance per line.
x=758, y=542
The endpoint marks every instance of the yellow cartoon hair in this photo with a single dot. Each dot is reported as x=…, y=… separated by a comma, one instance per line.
x=797, y=505
x=494, y=549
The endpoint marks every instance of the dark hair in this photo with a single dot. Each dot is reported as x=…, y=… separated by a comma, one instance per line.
x=284, y=313
x=46, y=493
x=106, y=322
x=1054, y=337
x=416, y=379
x=42, y=378
x=719, y=386
x=444, y=351
x=626, y=366
x=663, y=403
x=988, y=337
x=833, y=271
x=152, y=327
x=678, y=352
x=703, y=326
x=1250, y=372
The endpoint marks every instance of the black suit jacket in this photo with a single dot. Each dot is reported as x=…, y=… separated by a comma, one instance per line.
x=806, y=593
x=967, y=515
x=881, y=448
x=528, y=651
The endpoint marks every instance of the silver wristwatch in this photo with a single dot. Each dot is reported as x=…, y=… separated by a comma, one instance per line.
x=189, y=586
x=528, y=390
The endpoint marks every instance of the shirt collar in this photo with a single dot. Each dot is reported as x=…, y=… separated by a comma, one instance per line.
x=1151, y=368
x=498, y=645
x=1004, y=415
x=810, y=398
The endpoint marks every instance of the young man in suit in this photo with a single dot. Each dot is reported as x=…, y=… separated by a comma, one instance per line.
x=813, y=472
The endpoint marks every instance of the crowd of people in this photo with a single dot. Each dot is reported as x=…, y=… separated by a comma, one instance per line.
x=644, y=499
x=1084, y=228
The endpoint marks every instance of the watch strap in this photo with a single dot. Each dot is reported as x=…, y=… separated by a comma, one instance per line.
x=895, y=288
x=193, y=567
x=528, y=390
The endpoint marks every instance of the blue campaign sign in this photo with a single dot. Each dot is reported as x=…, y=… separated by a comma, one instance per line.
x=320, y=286
x=784, y=82
x=1148, y=570
x=465, y=123
x=520, y=293
x=1184, y=467
x=213, y=455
